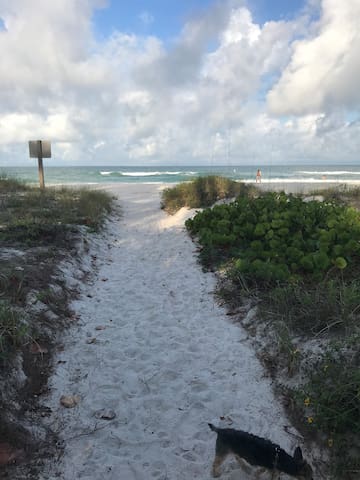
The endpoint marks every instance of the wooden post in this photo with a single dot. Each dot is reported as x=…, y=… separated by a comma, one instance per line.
x=41, y=168
x=40, y=149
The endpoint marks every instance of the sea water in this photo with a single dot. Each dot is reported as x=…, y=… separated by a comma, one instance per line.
x=174, y=174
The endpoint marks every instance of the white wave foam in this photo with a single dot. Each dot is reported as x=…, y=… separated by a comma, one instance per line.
x=154, y=174
x=106, y=173
x=143, y=174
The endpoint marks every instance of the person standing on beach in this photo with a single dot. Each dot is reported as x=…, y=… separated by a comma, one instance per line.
x=258, y=176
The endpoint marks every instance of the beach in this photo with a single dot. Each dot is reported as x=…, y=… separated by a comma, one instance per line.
x=154, y=351
x=301, y=187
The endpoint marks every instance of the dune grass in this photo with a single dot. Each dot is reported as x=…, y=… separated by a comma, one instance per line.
x=13, y=330
x=203, y=192
x=343, y=194
x=330, y=404
x=11, y=184
x=30, y=216
x=328, y=399
x=329, y=306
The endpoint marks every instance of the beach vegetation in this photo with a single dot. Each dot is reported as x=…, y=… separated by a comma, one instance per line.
x=47, y=219
x=342, y=194
x=33, y=217
x=331, y=306
x=331, y=396
x=13, y=329
x=203, y=192
x=11, y=184
x=299, y=262
x=291, y=355
x=11, y=284
x=276, y=237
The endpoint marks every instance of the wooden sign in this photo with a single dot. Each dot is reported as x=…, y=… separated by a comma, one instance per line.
x=40, y=149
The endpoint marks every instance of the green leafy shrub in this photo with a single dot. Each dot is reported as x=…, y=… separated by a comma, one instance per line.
x=277, y=237
x=202, y=192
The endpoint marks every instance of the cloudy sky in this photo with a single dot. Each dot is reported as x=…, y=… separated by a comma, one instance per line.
x=146, y=82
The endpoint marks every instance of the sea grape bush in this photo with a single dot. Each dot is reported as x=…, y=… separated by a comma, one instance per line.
x=276, y=237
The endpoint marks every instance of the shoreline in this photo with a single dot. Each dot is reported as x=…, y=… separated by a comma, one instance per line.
x=288, y=186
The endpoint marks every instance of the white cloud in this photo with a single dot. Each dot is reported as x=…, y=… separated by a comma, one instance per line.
x=132, y=98
x=20, y=127
x=324, y=69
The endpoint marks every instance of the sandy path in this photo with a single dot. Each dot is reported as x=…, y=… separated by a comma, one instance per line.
x=168, y=361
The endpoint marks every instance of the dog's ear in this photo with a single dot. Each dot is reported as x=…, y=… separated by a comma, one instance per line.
x=298, y=457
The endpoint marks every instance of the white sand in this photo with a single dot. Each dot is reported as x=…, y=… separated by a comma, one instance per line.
x=168, y=361
x=301, y=187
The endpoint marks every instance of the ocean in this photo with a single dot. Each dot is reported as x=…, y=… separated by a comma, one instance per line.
x=164, y=174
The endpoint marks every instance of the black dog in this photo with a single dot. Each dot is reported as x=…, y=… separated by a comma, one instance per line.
x=258, y=452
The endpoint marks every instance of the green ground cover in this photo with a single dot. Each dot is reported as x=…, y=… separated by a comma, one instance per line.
x=277, y=237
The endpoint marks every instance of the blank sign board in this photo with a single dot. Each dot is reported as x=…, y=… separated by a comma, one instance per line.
x=39, y=148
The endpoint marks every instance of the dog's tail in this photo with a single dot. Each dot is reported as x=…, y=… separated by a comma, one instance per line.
x=213, y=428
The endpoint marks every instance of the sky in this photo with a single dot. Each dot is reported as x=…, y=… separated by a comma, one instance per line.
x=190, y=82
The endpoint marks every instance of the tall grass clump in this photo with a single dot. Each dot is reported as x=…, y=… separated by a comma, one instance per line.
x=328, y=306
x=42, y=217
x=330, y=401
x=81, y=206
x=202, y=192
x=13, y=330
x=10, y=184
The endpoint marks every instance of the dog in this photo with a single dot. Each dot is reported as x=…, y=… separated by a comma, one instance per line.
x=258, y=452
